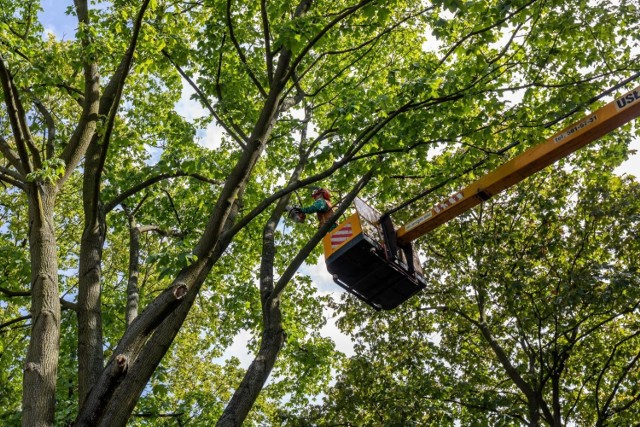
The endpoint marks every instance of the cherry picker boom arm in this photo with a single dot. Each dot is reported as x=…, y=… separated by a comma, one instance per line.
x=376, y=263
x=613, y=115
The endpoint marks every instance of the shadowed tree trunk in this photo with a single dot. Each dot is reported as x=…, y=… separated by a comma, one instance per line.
x=133, y=296
x=133, y=292
x=89, y=311
x=135, y=231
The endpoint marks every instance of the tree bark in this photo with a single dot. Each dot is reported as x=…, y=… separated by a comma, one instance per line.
x=254, y=379
x=534, y=413
x=134, y=268
x=272, y=337
x=41, y=364
x=90, y=355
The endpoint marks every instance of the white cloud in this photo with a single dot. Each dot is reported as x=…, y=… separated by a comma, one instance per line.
x=325, y=285
x=240, y=349
x=342, y=341
x=192, y=110
x=321, y=277
x=632, y=165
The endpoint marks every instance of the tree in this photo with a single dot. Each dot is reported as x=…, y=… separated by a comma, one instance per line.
x=95, y=152
x=531, y=318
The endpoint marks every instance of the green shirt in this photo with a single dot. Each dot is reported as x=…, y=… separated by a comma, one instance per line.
x=319, y=205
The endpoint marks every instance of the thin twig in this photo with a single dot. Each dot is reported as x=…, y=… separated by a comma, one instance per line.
x=241, y=55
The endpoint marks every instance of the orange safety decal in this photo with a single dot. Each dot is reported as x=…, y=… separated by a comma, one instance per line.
x=342, y=235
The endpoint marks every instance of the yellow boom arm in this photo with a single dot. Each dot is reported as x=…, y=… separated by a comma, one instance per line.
x=563, y=143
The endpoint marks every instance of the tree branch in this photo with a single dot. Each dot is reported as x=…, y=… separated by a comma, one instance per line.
x=109, y=206
x=341, y=16
x=361, y=140
x=611, y=396
x=160, y=231
x=373, y=40
x=483, y=30
x=68, y=305
x=502, y=356
x=267, y=39
x=135, y=210
x=11, y=177
x=15, y=112
x=157, y=415
x=627, y=405
x=219, y=69
x=241, y=55
x=485, y=408
x=11, y=293
x=338, y=73
x=85, y=129
x=16, y=320
x=51, y=128
x=110, y=101
x=239, y=136
x=173, y=208
x=12, y=157
x=73, y=92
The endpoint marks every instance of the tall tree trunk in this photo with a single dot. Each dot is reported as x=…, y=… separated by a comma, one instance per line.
x=41, y=364
x=90, y=339
x=534, y=412
x=134, y=267
x=90, y=355
x=272, y=341
x=254, y=379
x=131, y=310
x=557, y=408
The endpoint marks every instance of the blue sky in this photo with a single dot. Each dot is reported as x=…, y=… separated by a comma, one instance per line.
x=56, y=21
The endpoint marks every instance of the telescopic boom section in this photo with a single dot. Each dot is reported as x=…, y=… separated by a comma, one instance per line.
x=613, y=115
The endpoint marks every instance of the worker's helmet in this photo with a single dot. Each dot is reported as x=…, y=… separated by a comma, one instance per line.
x=321, y=192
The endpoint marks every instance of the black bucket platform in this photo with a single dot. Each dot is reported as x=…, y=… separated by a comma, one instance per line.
x=361, y=268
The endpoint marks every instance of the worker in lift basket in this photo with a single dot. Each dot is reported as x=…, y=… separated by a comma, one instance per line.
x=321, y=206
